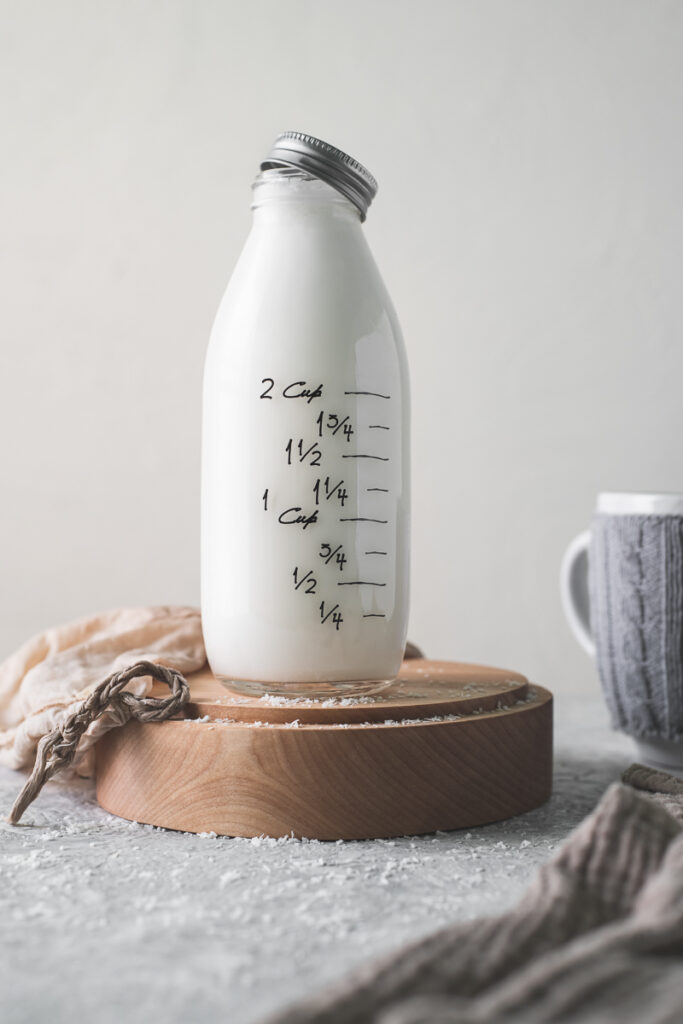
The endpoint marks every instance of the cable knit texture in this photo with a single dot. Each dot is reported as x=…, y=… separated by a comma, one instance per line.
x=636, y=595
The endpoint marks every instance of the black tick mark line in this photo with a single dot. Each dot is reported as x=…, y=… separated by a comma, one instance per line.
x=373, y=394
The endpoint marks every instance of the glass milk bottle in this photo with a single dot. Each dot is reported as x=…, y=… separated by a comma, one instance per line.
x=305, y=466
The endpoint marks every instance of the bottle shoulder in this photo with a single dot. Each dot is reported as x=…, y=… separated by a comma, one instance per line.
x=313, y=290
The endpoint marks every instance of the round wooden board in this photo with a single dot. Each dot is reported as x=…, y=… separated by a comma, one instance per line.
x=446, y=746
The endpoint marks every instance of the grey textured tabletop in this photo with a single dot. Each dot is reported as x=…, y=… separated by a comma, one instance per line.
x=107, y=920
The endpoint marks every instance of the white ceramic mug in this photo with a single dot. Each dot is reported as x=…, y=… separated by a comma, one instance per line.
x=629, y=566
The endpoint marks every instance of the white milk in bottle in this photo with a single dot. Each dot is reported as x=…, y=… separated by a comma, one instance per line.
x=305, y=468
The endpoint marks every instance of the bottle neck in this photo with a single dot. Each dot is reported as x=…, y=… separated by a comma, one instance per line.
x=287, y=194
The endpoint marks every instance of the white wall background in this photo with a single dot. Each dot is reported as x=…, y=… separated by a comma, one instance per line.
x=529, y=226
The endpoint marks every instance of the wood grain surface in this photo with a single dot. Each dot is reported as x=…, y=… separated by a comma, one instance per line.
x=446, y=746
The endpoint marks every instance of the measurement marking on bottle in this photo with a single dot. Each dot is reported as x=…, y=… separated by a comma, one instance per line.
x=372, y=394
x=380, y=458
x=374, y=615
x=333, y=613
x=375, y=552
x=359, y=583
x=384, y=490
x=340, y=425
x=378, y=426
x=338, y=491
x=313, y=450
x=331, y=421
x=327, y=554
x=361, y=519
x=309, y=579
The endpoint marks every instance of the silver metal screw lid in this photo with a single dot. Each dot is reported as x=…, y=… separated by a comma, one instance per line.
x=319, y=159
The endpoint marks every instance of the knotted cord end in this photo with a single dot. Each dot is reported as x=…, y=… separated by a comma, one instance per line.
x=57, y=749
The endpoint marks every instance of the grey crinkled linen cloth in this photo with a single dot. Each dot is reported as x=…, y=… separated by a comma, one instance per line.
x=598, y=938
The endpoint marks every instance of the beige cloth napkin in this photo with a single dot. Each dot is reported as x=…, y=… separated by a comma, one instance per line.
x=55, y=670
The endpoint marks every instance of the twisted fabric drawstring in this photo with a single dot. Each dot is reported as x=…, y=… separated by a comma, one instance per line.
x=57, y=749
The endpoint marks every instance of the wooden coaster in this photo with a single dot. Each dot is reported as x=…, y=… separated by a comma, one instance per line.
x=446, y=746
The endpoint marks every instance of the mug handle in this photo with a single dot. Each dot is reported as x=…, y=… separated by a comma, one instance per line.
x=574, y=590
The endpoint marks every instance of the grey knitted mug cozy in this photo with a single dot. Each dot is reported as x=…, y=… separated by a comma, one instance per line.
x=636, y=601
